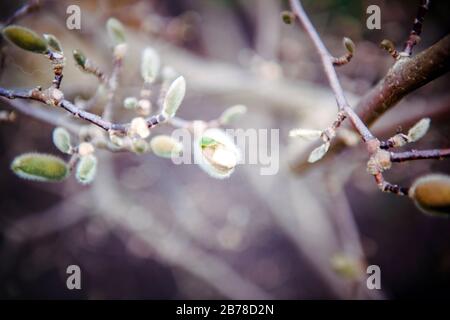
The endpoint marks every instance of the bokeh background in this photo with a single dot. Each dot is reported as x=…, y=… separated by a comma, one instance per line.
x=148, y=229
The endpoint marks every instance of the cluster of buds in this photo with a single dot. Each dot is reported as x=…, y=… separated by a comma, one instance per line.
x=215, y=151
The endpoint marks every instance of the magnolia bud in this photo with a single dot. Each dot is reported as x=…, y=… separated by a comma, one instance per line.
x=139, y=146
x=349, y=45
x=86, y=169
x=216, y=153
x=139, y=127
x=120, y=51
x=40, y=167
x=232, y=113
x=61, y=139
x=25, y=39
x=150, y=65
x=85, y=148
x=431, y=194
x=116, y=31
x=144, y=107
x=130, y=103
x=319, y=152
x=419, y=129
x=345, y=266
x=174, y=96
x=288, y=17
x=80, y=58
x=166, y=146
x=387, y=45
x=53, y=42
x=306, y=134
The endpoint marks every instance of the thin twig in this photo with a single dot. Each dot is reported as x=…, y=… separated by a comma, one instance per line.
x=420, y=155
x=414, y=36
x=327, y=61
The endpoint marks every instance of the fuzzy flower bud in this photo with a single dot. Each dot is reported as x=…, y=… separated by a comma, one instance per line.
x=216, y=153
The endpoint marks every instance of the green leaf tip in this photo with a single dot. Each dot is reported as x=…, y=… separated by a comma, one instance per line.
x=25, y=39
x=40, y=167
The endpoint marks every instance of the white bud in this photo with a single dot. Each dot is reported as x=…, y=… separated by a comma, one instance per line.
x=319, y=152
x=419, y=130
x=61, y=139
x=144, y=107
x=85, y=148
x=216, y=153
x=166, y=146
x=86, y=169
x=139, y=127
x=308, y=134
x=150, y=65
x=174, y=96
x=120, y=51
x=232, y=113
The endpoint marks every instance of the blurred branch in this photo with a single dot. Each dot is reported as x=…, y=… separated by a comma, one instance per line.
x=176, y=248
x=45, y=115
x=28, y=7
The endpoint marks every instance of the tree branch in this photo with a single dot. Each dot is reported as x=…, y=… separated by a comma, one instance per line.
x=43, y=96
x=405, y=76
x=327, y=61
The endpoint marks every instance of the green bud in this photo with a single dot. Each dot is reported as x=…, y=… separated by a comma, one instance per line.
x=232, y=113
x=345, y=266
x=61, y=139
x=387, y=45
x=139, y=146
x=86, y=169
x=80, y=58
x=174, y=96
x=116, y=31
x=53, y=42
x=166, y=146
x=349, y=45
x=25, y=39
x=288, y=17
x=130, y=103
x=150, y=64
x=431, y=194
x=40, y=167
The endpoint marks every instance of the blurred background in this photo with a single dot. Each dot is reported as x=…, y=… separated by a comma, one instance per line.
x=149, y=229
